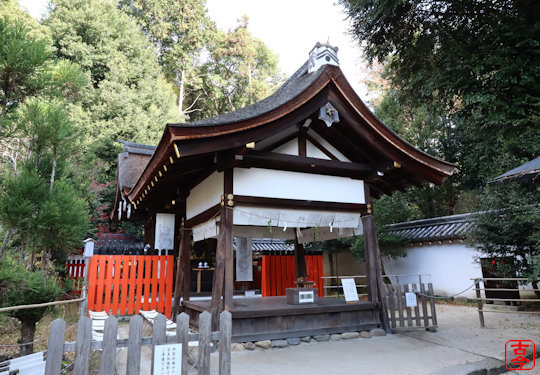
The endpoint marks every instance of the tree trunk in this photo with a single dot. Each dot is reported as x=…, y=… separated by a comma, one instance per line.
x=9, y=232
x=53, y=172
x=181, y=97
x=28, y=330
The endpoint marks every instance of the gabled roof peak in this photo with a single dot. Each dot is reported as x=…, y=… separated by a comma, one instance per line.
x=322, y=54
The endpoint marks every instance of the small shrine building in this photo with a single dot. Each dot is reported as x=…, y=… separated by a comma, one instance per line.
x=303, y=164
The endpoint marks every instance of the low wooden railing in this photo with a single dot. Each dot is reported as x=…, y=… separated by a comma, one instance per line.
x=84, y=344
x=480, y=300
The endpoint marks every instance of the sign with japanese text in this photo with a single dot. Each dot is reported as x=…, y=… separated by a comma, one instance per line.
x=168, y=359
x=349, y=290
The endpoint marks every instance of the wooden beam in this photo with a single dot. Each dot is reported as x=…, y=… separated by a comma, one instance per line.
x=203, y=216
x=303, y=164
x=293, y=203
x=281, y=142
x=302, y=146
x=320, y=147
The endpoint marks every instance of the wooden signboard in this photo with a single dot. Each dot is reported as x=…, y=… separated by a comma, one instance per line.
x=168, y=359
x=349, y=289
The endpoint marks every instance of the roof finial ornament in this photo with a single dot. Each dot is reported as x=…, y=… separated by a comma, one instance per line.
x=322, y=54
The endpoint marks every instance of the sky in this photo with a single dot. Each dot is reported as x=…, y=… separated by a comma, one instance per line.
x=289, y=27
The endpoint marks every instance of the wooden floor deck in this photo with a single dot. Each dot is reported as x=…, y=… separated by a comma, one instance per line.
x=271, y=317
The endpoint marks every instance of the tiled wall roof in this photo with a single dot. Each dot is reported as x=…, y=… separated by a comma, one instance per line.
x=435, y=229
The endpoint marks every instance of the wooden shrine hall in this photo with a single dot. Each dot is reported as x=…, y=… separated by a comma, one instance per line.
x=303, y=164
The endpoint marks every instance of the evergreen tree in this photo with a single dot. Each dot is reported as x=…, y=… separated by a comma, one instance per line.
x=240, y=70
x=21, y=286
x=475, y=63
x=129, y=97
x=41, y=213
x=509, y=226
x=180, y=30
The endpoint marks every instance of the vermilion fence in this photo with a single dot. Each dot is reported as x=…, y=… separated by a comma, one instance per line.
x=278, y=274
x=125, y=284
x=75, y=271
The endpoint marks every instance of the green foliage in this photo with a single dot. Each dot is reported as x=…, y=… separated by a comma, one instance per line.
x=22, y=60
x=240, y=71
x=181, y=32
x=510, y=226
x=129, y=97
x=19, y=286
x=474, y=63
x=46, y=124
x=55, y=223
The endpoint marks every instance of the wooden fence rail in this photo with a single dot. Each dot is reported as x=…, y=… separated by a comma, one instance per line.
x=84, y=344
x=481, y=300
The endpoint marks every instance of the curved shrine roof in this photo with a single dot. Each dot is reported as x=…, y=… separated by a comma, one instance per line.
x=188, y=151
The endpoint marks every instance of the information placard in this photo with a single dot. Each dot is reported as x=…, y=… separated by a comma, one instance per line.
x=349, y=289
x=168, y=359
x=410, y=299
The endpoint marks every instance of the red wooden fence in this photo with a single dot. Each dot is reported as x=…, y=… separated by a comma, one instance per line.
x=75, y=271
x=125, y=284
x=278, y=274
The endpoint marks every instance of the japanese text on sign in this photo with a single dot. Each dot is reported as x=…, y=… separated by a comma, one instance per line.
x=168, y=359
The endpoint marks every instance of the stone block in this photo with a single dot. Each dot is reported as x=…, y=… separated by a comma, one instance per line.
x=349, y=335
x=264, y=344
x=294, y=340
x=377, y=332
x=365, y=334
x=279, y=344
x=237, y=347
x=321, y=338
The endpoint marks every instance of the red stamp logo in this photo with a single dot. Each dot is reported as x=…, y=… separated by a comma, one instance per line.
x=515, y=355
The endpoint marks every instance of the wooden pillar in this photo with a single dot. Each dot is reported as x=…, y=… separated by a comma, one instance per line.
x=376, y=287
x=219, y=272
x=299, y=259
x=183, y=265
x=224, y=273
x=150, y=230
x=228, y=238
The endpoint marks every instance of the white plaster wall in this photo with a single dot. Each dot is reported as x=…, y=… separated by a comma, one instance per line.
x=289, y=148
x=313, y=151
x=450, y=265
x=259, y=182
x=205, y=195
